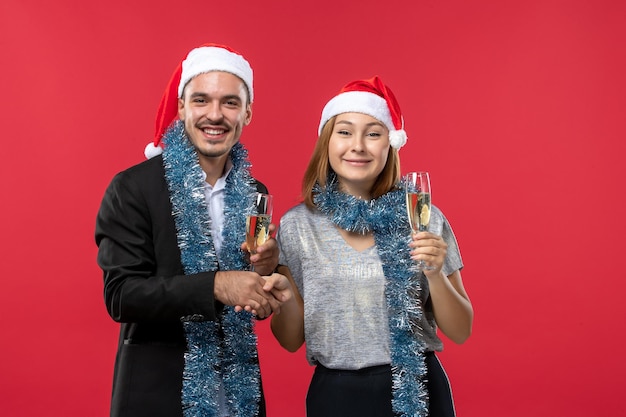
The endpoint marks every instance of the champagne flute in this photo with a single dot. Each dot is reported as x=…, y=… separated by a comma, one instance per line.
x=258, y=222
x=417, y=189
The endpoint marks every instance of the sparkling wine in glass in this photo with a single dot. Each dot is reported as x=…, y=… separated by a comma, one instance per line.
x=258, y=223
x=417, y=189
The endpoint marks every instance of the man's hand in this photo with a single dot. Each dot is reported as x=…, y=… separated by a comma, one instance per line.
x=265, y=260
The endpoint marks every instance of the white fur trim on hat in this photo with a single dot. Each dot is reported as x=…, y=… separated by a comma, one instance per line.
x=357, y=102
x=212, y=58
x=366, y=103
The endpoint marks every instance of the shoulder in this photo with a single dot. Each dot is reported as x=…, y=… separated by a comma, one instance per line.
x=260, y=187
x=297, y=213
x=299, y=220
x=150, y=168
x=145, y=178
x=146, y=171
x=439, y=217
x=440, y=225
x=436, y=212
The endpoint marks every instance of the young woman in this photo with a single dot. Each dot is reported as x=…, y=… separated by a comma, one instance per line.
x=368, y=316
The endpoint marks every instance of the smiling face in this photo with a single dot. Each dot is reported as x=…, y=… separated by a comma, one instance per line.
x=358, y=151
x=214, y=108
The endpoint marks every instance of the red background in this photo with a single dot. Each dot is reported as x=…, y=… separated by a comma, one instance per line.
x=515, y=107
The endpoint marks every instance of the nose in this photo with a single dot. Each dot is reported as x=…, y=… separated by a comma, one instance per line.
x=358, y=143
x=214, y=112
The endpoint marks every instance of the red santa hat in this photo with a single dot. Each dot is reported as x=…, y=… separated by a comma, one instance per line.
x=206, y=58
x=371, y=97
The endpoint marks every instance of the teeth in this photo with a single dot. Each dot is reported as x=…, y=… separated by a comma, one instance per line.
x=213, y=131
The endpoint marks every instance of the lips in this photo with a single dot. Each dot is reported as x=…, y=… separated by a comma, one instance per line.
x=214, y=131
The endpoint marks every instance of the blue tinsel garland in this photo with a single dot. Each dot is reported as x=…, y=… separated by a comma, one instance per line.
x=211, y=357
x=386, y=217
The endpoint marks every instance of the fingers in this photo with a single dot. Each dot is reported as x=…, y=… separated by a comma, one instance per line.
x=268, y=247
x=242, y=288
x=264, y=247
x=276, y=281
x=277, y=291
x=280, y=287
x=265, y=306
x=264, y=310
x=261, y=303
x=270, y=244
x=430, y=248
x=245, y=290
x=266, y=258
x=274, y=304
x=427, y=239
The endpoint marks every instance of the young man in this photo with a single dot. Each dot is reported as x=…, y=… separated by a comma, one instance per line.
x=169, y=234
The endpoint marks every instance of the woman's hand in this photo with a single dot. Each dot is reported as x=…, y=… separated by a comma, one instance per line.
x=431, y=249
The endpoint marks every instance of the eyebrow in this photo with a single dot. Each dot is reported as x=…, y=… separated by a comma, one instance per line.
x=226, y=97
x=231, y=97
x=347, y=122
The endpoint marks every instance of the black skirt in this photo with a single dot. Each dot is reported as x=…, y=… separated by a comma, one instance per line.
x=367, y=392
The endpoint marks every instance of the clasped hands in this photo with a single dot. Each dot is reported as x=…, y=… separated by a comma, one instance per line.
x=260, y=292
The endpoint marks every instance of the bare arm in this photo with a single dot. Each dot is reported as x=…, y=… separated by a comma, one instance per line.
x=288, y=325
x=453, y=310
x=451, y=304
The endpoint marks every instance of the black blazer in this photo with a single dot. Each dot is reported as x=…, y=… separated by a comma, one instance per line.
x=146, y=290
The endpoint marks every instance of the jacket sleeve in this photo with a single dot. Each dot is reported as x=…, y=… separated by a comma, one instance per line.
x=138, y=253
x=260, y=187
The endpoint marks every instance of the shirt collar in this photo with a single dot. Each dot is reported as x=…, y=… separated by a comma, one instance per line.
x=221, y=181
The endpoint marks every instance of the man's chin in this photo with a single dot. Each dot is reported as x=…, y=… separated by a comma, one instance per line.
x=214, y=151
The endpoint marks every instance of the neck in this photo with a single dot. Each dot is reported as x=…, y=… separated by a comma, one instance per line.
x=213, y=167
x=362, y=193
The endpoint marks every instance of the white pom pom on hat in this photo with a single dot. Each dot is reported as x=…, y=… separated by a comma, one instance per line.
x=152, y=150
x=206, y=58
x=371, y=97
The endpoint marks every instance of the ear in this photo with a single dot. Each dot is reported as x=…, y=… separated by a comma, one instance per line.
x=248, y=118
x=181, y=109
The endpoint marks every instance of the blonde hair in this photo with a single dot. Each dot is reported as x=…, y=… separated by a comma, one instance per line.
x=319, y=168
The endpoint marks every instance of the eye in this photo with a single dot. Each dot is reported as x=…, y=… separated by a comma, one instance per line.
x=374, y=134
x=232, y=102
x=343, y=132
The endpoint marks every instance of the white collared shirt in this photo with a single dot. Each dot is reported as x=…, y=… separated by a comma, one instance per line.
x=214, y=196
